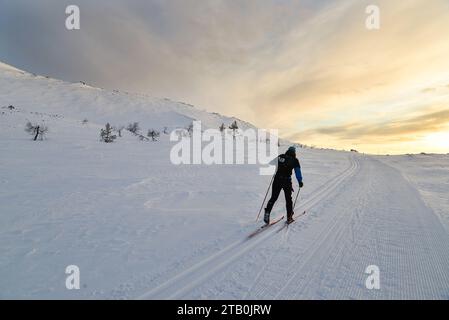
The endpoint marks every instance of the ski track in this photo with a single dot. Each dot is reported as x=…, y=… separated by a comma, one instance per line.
x=180, y=285
x=264, y=288
x=372, y=225
x=354, y=220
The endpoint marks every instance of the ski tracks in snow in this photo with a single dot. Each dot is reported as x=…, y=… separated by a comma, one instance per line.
x=366, y=215
x=182, y=284
x=376, y=219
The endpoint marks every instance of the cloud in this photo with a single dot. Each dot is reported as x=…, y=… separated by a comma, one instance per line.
x=203, y=52
x=381, y=132
x=440, y=88
x=336, y=64
x=292, y=65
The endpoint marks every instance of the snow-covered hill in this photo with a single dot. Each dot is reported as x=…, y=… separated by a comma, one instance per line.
x=138, y=226
x=78, y=101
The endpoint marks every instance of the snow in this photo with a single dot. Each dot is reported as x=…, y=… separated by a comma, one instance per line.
x=429, y=174
x=80, y=101
x=139, y=227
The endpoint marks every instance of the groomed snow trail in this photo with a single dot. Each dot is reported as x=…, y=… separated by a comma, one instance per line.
x=367, y=215
x=194, y=276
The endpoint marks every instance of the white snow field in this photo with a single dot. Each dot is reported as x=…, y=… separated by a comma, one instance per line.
x=139, y=227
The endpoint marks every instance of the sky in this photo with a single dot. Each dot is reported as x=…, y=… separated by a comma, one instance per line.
x=309, y=68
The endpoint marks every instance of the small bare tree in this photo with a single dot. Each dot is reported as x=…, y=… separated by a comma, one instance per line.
x=153, y=134
x=234, y=127
x=133, y=127
x=106, y=134
x=38, y=131
x=222, y=127
x=189, y=129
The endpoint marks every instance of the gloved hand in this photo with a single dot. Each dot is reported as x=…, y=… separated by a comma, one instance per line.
x=301, y=184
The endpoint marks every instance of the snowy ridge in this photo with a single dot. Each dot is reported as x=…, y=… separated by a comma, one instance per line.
x=80, y=101
x=6, y=67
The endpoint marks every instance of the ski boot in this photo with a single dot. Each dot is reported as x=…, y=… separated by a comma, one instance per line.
x=290, y=218
x=266, y=217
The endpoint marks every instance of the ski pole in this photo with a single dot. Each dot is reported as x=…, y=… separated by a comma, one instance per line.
x=296, y=199
x=265, y=197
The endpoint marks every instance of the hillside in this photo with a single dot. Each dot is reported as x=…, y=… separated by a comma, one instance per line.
x=78, y=101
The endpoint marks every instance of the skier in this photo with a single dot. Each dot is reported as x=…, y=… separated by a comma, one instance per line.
x=283, y=180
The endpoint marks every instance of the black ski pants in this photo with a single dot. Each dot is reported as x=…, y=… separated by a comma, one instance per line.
x=280, y=183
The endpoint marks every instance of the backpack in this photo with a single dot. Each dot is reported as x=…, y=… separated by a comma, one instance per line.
x=285, y=165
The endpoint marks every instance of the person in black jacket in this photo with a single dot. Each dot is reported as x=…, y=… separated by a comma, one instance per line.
x=283, y=180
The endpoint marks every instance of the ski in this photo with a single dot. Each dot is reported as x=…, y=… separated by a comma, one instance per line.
x=266, y=226
x=272, y=223
x=287, y=224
